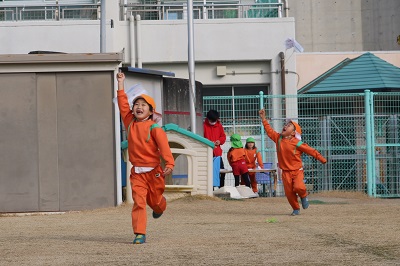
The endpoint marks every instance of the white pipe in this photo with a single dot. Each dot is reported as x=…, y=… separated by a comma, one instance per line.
x=117, y=126
x=192, y=79
x=125, y=9
x=103, y=27
x=138, y=40
x=132, y=40
x=280, y=9
x=286, y=8
x=205, y=15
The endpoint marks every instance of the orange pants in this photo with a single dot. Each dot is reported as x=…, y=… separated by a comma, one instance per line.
x=253, y=182
x=293, y=183
x=146, y=188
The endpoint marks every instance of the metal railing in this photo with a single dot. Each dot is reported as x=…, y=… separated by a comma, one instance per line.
x=220, y=10
x=49, y=12
x=76, y=10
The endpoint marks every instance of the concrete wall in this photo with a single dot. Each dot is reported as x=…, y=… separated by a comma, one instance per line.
x=356, y=25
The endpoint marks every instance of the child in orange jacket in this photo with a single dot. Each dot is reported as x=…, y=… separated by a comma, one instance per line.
x=146, y=143
x=252, y=155
x=289, y=149
x=236, y=159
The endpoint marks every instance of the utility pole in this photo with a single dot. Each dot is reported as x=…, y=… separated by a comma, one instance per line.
x=192, y=80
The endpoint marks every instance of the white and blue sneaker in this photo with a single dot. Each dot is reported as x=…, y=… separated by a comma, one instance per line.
x=304, y=203
x=295, y=212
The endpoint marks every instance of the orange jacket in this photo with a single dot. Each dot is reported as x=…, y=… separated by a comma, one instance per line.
x=235, y=154
x=289, y=156
x=251, y=157
x=145, y=146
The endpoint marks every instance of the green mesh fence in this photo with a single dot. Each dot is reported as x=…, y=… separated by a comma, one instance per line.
x=337, y=125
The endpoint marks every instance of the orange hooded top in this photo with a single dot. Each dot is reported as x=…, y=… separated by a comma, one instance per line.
x=251, y=157
x=289, y=155
x=145, y=145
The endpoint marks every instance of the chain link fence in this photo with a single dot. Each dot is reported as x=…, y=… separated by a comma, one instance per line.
x=358, y=133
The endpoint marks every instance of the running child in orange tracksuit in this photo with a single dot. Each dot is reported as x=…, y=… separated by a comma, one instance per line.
x=146, y=143
x=236, y=159
x=252, y=155
x=289, y=148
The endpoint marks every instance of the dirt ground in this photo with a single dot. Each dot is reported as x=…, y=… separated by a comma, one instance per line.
x=337, y=229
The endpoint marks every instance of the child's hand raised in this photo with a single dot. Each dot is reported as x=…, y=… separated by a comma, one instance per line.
x=120, y=77
x=262, y=113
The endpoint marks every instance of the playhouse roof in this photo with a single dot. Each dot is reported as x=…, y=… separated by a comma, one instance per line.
x=366, y=72
x=176, y=128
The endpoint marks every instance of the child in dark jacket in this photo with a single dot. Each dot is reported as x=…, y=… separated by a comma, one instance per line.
x=214, y=132
x=236, y=159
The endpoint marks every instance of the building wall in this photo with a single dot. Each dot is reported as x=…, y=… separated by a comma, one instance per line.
x=243, y=45
x=356, y=25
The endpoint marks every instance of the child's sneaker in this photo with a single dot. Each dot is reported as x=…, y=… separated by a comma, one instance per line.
x=156, y=215
x=139, y=239
x=295, y=212
x=304, y=203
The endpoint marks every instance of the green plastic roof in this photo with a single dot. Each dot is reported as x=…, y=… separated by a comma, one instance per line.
x=187, y=133
x=366, y=72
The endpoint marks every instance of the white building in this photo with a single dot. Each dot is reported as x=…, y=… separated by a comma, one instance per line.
x=245, y=48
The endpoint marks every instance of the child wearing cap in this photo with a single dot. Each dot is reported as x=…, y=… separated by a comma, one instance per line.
x=236, y=158
x=252, y=155
x=214, y=131
x=146, y=143
x=289, y=149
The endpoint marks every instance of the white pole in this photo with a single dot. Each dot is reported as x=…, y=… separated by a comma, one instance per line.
x=117, y=132
x=192, y=80
x=103, y=27
x=205, y=16
x=138, y=40
x=132, y=40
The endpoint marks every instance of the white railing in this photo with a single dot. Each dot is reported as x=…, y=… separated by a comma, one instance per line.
x=47, y=11
x=90, y=10
x=220, y=10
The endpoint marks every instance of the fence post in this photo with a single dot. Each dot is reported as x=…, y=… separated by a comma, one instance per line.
x=369, y=126
x=262, y=127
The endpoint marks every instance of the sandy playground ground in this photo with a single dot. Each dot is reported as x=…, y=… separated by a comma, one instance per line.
x=337, y=229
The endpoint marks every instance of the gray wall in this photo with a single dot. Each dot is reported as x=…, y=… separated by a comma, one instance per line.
x=341, y=26
x=57, y=148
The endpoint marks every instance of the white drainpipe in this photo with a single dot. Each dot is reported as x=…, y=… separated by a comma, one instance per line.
x=132, y=40
x=139, y=40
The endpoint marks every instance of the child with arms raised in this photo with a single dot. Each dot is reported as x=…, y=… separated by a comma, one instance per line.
x=289, y=148
x=146, y=143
